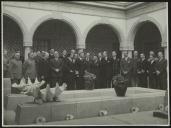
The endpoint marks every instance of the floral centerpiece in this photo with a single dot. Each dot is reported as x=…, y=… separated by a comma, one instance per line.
x=120, y=85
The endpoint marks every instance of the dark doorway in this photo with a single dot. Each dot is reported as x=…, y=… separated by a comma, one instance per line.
x=102, y=37
x=54, y=34
x=148, y=38
x=12, y=36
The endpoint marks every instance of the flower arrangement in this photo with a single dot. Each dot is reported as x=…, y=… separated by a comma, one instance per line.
x=89, y=80
x=120, y=85
x=119, y=81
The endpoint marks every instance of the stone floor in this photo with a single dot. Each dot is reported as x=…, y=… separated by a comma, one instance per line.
x=139, y=118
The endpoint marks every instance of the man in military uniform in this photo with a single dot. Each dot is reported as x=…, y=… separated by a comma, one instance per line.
x=15, y=68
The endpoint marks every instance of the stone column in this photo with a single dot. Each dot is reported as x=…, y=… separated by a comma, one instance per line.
x=166, y=53
x=28, y=43
x=129, y=53
x=166, y=57
x=126, y=49
x=80, y=46
x=26, y=51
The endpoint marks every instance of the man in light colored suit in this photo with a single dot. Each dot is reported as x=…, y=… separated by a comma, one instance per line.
x=126, y=67
x=15, y=68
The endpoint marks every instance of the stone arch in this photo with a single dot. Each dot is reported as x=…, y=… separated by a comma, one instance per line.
x=116, y=29
x=137, y=25
x=19, y=21
x=58, y=17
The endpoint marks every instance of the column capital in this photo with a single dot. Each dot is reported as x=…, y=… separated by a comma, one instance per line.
x=164, y=44
x=29, y=44
x=80, y=46
x=126, y=48
x=129, y=52
x=27, y=50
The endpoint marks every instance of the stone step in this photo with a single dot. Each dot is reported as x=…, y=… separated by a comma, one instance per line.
x=6, y=86
x=11, y=100
x=85, y=107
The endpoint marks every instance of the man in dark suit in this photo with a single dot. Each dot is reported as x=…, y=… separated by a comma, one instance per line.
x=88, y=62
x=38, y=58
x=43, y=69
x=80, y=65
x=95, y=70
x=126, y=67
x=142, y=71
x=107, y=70
x=152, y=72
x=161, y=71
x=100, y=81
x=64, y=55
x=73, y=51
x=51, y=54
x=55, y=70
x=115, y=64
x=69, y=72
x=134, y=77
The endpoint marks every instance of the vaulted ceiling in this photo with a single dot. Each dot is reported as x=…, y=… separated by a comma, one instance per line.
x=112, y=4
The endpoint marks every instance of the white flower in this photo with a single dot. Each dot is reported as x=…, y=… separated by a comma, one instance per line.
x=161, y=107
x=134, y=109
x=40, y=120
x=29, y=81
x=69, y=117
x=166, y=108
x=36, y=81
x=103, y=113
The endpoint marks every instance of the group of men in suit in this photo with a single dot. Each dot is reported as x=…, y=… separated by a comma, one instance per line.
x=149, y=72
x=71, y=67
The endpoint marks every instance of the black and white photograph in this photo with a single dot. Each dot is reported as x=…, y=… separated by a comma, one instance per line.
x=85, y=63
